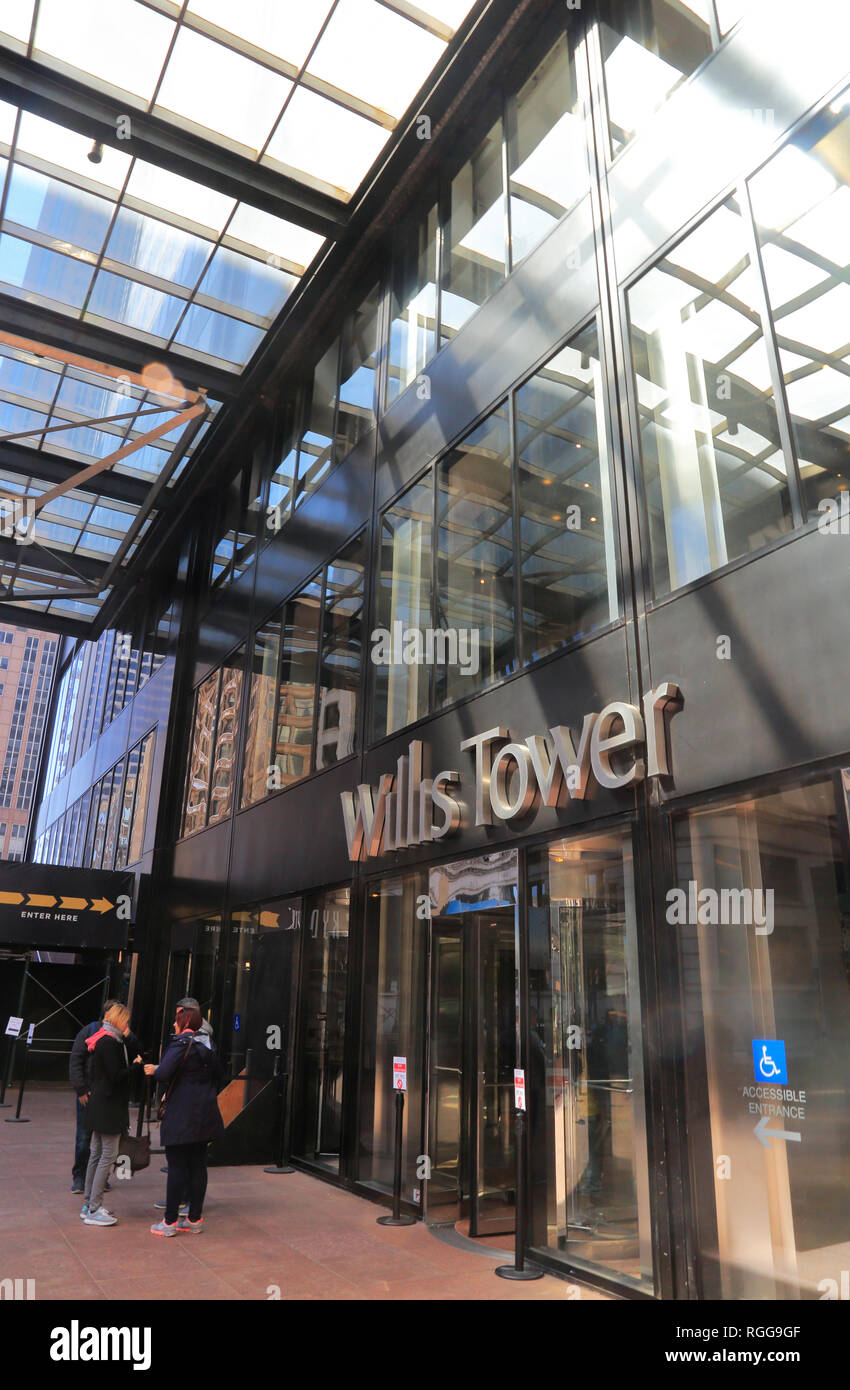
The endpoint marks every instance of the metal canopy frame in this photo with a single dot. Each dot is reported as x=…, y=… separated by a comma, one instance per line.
x=33, y=561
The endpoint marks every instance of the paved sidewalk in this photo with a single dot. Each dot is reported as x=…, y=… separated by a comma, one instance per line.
x=263, y=1233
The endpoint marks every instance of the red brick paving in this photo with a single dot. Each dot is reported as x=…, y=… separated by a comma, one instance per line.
x=262, y=1233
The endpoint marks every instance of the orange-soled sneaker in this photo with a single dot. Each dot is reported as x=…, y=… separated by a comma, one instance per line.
x=162, y=1228
x=193, y=1228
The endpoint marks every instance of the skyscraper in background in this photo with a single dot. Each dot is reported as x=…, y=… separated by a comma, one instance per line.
x=27, y=660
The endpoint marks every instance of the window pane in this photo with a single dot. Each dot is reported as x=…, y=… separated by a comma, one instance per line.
x=761, y=924
x=157, y=247
x=647, y=50
x=317, y=1095
x=294, y=737
x=402, y=605
x=111, y=837
x=474, y=257
x=569, y=584
x=475, y=579
x=101, y=818
x=136, y=306
x=24, y=267
x=56, y=209
x=140, y=807
x=316, y=454
x=262, y=697
x=126, y=816
x=358, y=365
x=714, y=471
x=342, y=647
x=801, y=201
x=589, y=1175
x=198, y=779
x=282, y=481
x=226, y=733
x=393, y=1010
x=547, y=158
x=413, y=331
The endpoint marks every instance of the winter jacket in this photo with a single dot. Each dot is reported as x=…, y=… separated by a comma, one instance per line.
x=191, y=1113
x=108, y=1109
x=79, y=1058
x=79, y=1068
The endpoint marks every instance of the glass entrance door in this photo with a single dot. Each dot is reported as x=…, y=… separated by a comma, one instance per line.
x=472, y=1056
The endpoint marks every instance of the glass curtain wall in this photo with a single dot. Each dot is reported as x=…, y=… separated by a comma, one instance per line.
x=648, y=49
x=567, y=535
x=715, y=475
x=475, y=256
x=547, y=156
x=403, y=605
x=342, y=653
x=296, y=705
x=801, y=204
x=413, y=303
x=225, y=745
x=589, y=1172
x=200, y=754
x=762, y=917
x=393, y=1019
x=475, y=555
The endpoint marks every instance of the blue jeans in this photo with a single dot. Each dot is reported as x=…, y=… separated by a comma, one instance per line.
x=81, y=1149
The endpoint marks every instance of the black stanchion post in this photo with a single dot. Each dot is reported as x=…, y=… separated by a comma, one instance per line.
x=517, y=1270
x=282, y=1086
x=8, y=1052
x=396, y=1219
x=18, y=1118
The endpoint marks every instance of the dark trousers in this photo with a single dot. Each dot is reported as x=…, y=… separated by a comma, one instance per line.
x=187, y=1177
x=81, y=1148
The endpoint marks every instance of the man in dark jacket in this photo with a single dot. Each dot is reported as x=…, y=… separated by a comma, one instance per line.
x=78, y=1075
x=192, y=1119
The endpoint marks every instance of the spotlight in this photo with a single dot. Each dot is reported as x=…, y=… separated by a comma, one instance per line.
x=95, y=154
x=732, y=428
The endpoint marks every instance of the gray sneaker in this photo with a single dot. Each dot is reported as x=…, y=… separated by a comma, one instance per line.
x=101, y=1217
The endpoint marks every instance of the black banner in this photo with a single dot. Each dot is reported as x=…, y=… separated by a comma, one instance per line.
x=47, y=905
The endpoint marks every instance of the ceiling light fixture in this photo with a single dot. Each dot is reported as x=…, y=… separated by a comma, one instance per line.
x=95, y=154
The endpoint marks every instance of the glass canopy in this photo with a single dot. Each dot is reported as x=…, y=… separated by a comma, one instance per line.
x=139, y=253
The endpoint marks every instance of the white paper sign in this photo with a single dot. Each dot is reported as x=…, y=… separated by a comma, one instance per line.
x=30, y=1032
x=519, y=1089
x=399, y=1073
x=14, y=1026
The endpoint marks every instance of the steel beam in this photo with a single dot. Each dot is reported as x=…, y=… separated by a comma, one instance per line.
x=50, y=468
x=71, y=103
x=57, y=330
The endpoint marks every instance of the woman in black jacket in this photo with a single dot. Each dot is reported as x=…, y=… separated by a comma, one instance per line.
x=107, y=1112
x=192, y=1119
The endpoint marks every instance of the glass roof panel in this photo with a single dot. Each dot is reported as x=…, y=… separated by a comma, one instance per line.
x=67, y=150
x=216, y=88
x=120, y=42
x=57, y=209
x=157, y=247
x=825, y=322
x=274, y=235
x=82, y=398
x=218, y=335
x=19, y=378
x=14, y=418
x=7, y=122
x=16, y=18
x=826, y=229
x=246, y=283
x=637, y=83
x=324, y=141
x=375, y=55
x=138, y=306
x=286, y=30
x=183, y=197
x=31, y=270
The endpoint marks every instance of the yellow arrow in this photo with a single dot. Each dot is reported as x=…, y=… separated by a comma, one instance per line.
x=269, y=919
x=73, y=903
x=11, y=897
x=101, y=905
x=41, y=900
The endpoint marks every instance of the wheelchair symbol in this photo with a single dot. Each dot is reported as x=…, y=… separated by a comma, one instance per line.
x=769, y=1062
